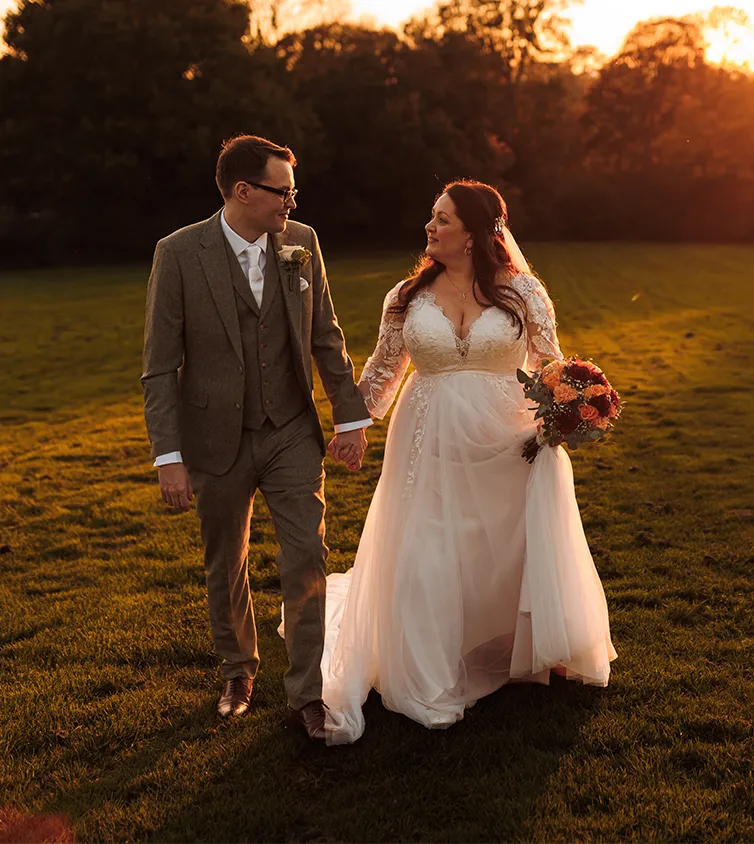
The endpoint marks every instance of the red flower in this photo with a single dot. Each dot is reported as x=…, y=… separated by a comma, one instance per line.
x=602, y=404
x=567, y=422
x=585, y=372
x=579, y=371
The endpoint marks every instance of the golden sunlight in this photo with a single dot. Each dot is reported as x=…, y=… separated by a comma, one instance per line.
x=388, y=12
x=599, y=23
x=605, y=23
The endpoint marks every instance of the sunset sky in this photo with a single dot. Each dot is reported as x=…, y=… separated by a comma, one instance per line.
x=602, y=23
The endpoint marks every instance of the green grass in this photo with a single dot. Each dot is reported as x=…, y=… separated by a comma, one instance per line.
x=109, y=682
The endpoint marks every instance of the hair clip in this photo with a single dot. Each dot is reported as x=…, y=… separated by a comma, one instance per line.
x=499, y=225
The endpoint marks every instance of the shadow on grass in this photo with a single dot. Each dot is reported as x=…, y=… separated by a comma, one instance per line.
x=481, y=779
x=258, y=780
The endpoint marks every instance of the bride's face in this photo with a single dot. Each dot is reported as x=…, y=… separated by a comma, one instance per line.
x=446, y=236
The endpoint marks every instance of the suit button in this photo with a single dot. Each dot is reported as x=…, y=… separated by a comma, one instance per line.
x=264, y=366
x=237, y=406
x=263, y=328
x=266, y=401
x=240, y=369
x=263, y=345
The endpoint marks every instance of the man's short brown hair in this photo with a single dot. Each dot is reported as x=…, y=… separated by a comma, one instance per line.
x=244, y=159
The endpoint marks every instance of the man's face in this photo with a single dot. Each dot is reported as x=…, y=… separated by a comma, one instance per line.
x=263, y=210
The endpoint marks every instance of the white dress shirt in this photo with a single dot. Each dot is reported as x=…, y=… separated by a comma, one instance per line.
x=240, y=247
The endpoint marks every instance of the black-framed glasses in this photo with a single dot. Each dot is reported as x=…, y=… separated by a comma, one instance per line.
x=286, y=193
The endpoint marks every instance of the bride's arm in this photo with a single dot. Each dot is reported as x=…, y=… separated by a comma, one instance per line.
x=384, y=371
x=541, y=331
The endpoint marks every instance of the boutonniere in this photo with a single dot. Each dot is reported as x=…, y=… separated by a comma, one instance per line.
x=293, y=258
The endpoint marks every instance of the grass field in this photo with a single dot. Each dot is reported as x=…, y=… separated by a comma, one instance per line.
x=109, y=682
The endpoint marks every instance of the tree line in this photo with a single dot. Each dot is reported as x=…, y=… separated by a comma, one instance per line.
x=112, y=113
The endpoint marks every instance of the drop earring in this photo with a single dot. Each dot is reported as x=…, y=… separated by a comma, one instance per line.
x=467, y=250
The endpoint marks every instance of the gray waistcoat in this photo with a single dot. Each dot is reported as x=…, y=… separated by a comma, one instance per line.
x=271, y=388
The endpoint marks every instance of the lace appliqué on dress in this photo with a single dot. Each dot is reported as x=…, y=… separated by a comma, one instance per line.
x=384, y=371
x=540, y=320
x=462, y=345
x=421, y=394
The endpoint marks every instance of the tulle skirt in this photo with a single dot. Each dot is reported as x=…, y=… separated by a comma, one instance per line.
x=472, y=569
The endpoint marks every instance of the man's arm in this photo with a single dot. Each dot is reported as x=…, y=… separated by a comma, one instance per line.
x=163, y=352
x=329, y=352
x=163, y=355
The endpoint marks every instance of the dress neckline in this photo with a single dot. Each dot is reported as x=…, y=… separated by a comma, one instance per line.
x=465, y=339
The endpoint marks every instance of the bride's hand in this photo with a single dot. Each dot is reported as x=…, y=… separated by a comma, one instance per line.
x=347, y=454
x=352, y=456
x=349, y=447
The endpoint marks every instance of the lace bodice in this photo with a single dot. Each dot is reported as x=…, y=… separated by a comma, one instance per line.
x=425, y=337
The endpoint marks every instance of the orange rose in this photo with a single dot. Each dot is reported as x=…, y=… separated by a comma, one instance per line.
x=551, y=380
x=588, y=413
x=602, y=423
x=596, y=390
x=551, y=374
x=564, y=393
x=613, y=412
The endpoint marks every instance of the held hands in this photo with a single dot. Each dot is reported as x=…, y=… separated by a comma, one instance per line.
x=349, y=447
x=175, y=486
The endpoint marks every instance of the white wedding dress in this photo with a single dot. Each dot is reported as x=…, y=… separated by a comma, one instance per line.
x=473, y=568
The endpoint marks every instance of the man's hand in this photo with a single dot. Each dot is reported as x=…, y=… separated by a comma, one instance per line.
x=175, y=486
x=349, y=447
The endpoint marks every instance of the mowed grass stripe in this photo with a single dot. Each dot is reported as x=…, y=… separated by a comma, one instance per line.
x=109, y=681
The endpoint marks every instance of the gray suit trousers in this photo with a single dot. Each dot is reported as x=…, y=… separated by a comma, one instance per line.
x=286, y=465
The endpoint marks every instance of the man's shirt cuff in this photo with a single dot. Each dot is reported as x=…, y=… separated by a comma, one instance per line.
x=170, y=457
x=344, y=427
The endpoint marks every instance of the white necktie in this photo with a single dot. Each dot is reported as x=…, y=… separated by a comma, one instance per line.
x=256, y=277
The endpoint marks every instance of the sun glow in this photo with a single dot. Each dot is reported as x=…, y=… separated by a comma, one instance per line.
x=732, y=44
x=605, y=23
x=599, y=23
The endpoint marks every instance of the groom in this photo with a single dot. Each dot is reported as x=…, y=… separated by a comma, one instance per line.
x=231, y=330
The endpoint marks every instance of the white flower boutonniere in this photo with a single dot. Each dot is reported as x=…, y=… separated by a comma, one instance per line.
x=293, y=257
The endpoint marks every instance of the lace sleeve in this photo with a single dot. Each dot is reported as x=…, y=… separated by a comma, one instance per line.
x=542, y=336
x=384, y=371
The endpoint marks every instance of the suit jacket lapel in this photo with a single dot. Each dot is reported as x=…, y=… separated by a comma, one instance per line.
x=213, y=257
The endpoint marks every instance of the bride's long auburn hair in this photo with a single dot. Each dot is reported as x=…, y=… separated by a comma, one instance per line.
x=478, y=206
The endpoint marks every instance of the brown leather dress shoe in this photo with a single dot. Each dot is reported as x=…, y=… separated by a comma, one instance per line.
x=311, y=718
x=236, y=697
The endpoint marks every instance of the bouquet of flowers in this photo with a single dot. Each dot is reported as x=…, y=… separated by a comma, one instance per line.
x=575, y=402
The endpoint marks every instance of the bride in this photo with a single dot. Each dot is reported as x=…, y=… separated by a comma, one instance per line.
x=472, y=569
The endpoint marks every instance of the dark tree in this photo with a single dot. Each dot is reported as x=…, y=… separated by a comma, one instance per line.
x=666, y=139
x=114, y=112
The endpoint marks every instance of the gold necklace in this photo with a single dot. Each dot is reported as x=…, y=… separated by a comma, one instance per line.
x=463, y=293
